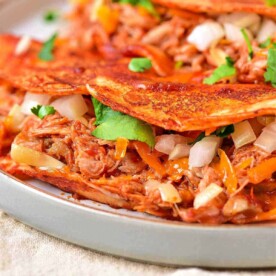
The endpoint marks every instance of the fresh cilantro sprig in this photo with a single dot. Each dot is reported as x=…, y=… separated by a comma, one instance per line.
x=248, y=43
x=270, y=2
x=139, y=65
x=51, y=16
x=46, y=52
x=270, y=74
x=222, y=132
x=112, y=125
x=223, y=71
x=42, y=111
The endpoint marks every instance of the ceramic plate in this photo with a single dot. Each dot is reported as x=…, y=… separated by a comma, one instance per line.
x=119, y=232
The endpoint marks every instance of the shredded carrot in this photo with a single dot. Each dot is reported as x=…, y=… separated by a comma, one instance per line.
x=176, y=168
x=270, y=215
x=262, y=171
x=121, y=148
x=227, y=171
x=244, y=164
x=108, y=18
x=149, y=157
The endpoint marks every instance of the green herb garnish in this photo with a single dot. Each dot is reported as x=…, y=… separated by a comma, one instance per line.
x=270, y=2
x=42, y=111
x=223, y=71
x=248, y=43
x=46, y=53
x=270, y=74
x=146, y=4
x=178, y=64
x=222, y=132
x=113, y=124
x=51, y=16
x=139, y=64
x=266, y=43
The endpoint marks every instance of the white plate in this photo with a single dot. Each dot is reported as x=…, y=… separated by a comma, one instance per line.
x=119, y=232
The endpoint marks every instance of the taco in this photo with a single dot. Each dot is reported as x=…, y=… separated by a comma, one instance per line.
x=192, y=152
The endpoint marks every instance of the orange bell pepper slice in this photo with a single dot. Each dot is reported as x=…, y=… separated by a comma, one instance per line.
x=262, y=171
x=229, y=177
x=108, y=18
x=121, y=148
x=150, y=157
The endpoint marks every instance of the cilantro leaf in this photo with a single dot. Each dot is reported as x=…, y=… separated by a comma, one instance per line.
x=266, y=43
x=270, y=2
x=270, y=74
x=178, y=64
x=223, y=71
x=42, y=111
x=51, y=16
x=146, y=4
x=113, y=125
x=222, y=132
x=139, y=64
x=46, y=53
x=248, y=43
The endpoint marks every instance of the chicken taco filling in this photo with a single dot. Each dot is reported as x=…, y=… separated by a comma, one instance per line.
x=153, y=109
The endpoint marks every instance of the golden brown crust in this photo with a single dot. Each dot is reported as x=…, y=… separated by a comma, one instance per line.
x=171, y=105
x=219, y=6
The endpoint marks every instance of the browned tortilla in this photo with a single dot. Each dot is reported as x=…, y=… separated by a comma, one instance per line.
x=170, y=105
x=222, y=6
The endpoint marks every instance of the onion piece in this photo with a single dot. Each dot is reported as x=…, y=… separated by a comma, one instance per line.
x=240, y=19
x=32, y=100
x=243, y=134
x=72, y=107
x=268, y=29
x=166, y=143
x=34, y=158
x=266, y=120
x=205, y=34
x=267, y=139
x=235, y=205
x=233, y=32
x=23, y=45
x=179, y=151
x=151, y=185
x=203, y=152
x=208, y=194
x=13, y=122
x=169, y=193
x=217, y=56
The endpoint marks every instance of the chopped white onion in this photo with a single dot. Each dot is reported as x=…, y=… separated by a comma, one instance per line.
x=235, y=205
x=266, y=120
x=268, y=29
x=243, y=134
x=179, y=151
x=151, y=185
x=13, y=122
x=166, y=143
x=34, y=158
x=233, y=32
x=267, y=139
x=203, y=152
x=23, y=45
x=205, y=34
x=240, y=19
x=208, y=194
x=169, y=193
x=32, y=100
x=72, y=107
x=217, y=56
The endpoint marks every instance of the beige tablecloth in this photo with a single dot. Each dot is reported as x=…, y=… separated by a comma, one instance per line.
x=25, y=251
